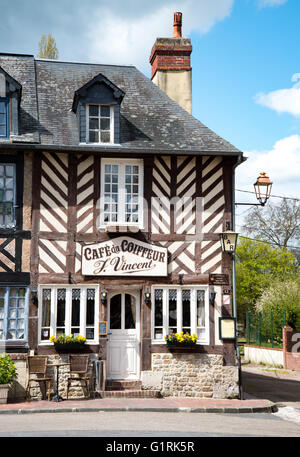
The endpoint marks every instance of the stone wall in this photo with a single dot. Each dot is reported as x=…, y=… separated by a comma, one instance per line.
x=195, y=375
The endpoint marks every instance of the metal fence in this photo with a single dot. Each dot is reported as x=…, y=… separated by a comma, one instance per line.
x=265, y=328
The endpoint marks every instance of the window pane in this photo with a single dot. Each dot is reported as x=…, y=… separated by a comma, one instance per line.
x=7, y=195
x=105, y=137
x=90, y=314
x=186, y=310
x=115, y=312
x=46, y=314
x=200, y=308
x=105, y=124
x=158, y=308
x=75, y=316
x=172, y=310
x=94, y=136
x=94, y=124
x=105, y=111
x=61, y=311
x=130, y=317
x=94, y=110
x=16, y=306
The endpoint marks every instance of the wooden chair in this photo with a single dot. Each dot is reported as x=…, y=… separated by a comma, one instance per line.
x=37, y=365
x=79, y=371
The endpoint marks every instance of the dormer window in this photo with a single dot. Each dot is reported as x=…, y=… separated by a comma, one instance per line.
x=10, y=99
x=97, y=107
x=100, y=124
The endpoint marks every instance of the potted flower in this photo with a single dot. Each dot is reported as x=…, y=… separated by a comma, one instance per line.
x=8, y=373
x=181, y=340
x=69, y=342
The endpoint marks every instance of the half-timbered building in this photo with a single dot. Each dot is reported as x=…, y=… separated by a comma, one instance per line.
x=112, y=200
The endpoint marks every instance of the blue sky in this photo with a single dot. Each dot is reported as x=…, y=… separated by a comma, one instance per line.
x=246, y=70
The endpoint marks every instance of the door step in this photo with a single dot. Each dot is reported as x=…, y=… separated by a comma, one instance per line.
x=123, y=384
x=130, y=394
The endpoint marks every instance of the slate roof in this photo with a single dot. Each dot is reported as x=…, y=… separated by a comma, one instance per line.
x=150, y=120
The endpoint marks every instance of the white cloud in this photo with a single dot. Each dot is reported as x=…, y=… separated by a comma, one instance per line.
x=266, y=3
x=126, y=35
x=281, y=163
x=283, y=100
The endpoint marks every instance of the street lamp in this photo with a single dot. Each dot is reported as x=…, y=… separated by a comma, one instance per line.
x=228, y=241
x=262, y=188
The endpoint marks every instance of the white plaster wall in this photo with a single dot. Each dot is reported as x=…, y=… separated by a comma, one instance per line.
x=263, y=355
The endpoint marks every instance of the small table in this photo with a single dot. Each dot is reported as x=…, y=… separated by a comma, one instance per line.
x=57, y=397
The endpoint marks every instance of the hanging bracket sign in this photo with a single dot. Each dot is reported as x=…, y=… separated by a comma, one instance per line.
x=124, y=256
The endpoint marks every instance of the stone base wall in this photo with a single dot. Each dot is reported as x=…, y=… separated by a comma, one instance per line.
x=195, y=375
x=37, y=392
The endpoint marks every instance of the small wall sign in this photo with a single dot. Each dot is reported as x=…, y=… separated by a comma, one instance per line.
x=218, y=279
x=124, y=256
x=227, y=328
x=103, y=328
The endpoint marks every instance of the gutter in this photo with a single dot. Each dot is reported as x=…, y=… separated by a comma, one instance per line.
x=111, y=149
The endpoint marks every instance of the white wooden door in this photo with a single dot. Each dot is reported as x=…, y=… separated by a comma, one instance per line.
x=123, y=358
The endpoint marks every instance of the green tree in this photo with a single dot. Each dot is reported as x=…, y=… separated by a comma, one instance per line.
x=47, y=48
x=280, y=296
x=258, y=265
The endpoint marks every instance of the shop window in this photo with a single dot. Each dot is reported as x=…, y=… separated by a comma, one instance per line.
x=68, y=310
x=121, y=192
x=177, y=309
x=13, y=313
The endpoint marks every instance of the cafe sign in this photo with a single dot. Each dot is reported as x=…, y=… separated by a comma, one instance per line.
x=124, y=256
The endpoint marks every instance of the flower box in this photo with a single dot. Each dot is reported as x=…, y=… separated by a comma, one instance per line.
x=182, y=347
x=181, y=341
x=69, y=346
x=68, y=342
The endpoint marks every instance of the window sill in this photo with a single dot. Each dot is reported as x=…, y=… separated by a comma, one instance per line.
x=120, y=228
x=110, y=145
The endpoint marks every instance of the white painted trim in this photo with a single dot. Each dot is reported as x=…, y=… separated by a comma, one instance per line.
x=121, y=192
x=53, y=311
x=179, y=289
x=111, y=125
x=137, y=331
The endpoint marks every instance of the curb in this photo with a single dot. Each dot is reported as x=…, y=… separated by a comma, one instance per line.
x=272, y=408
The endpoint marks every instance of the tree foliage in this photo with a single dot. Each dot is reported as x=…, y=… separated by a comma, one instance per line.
x=277, y=224
x=258, y=266
x=282, y=295
x=47, y=48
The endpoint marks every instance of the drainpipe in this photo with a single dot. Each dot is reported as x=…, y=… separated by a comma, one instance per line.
x=237, y=349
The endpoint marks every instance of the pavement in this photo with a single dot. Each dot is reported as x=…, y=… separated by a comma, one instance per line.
x=264, y=391
x=166, y=404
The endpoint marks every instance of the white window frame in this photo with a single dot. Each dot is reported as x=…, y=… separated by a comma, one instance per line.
x=111, y=124
x=53, y=312
x=204, y=340
x=14, y=177
x=6, y=318
x=121, y=193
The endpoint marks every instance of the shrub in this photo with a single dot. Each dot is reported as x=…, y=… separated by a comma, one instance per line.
x=282, y=295
x=8, y=371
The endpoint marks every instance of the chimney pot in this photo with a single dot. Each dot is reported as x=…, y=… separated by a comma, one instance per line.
x=177, y=25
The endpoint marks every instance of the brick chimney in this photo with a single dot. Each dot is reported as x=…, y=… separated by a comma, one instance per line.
x=171, y=65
